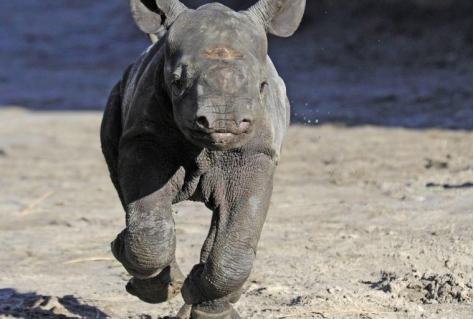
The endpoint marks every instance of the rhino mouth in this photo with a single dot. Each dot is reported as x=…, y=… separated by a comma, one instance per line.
x=216, y=138
x=223, y=137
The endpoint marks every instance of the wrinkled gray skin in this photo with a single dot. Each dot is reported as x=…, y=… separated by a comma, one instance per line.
x=201, y=116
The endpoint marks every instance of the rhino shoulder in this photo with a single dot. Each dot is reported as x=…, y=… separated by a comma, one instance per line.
x=278, y=107
x=145, y=106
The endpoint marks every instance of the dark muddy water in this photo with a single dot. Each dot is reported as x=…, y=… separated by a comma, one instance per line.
x=383, y=65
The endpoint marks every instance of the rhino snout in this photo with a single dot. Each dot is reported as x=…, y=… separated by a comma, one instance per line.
x=221, y=133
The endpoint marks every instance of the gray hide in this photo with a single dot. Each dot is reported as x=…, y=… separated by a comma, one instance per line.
x=201, y=116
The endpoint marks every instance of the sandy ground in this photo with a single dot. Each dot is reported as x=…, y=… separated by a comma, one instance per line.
x=365, y=222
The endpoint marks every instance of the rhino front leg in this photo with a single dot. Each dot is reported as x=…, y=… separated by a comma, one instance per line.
x=146, y=247
x=240, y=201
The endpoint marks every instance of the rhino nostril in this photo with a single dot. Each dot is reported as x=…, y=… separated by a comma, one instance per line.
x=202, y=122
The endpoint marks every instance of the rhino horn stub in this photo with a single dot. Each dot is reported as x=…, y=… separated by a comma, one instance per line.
x=224, y=78
x=279, y=17
x=222, y=52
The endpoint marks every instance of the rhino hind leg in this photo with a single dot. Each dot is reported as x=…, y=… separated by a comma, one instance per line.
x=166, y=285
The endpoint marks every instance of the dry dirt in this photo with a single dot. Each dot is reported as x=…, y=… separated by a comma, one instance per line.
x=365, y=222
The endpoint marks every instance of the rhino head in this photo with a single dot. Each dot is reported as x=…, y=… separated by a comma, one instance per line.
x=215, y=68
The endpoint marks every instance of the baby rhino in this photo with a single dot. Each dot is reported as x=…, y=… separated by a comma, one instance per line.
x=200, y=116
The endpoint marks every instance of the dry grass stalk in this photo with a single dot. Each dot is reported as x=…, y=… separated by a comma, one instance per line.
x=28, y=209
x=81, y=260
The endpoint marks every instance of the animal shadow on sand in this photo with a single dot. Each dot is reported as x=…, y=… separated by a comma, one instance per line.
x=31, y=305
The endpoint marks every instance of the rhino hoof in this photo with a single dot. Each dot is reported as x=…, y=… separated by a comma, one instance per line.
x=229, y=313
x=158, y=289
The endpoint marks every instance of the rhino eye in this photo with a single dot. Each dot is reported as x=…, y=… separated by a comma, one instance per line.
x=176, y=81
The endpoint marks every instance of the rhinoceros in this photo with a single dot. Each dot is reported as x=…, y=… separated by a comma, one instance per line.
x=201, y=116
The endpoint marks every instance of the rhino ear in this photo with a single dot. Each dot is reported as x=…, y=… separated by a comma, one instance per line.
x=279, y=17
x=153, y=16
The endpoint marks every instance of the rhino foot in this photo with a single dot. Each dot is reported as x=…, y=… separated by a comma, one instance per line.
x=166, y=285
x=228, y=314
x=225, y=311
x=208, y=310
